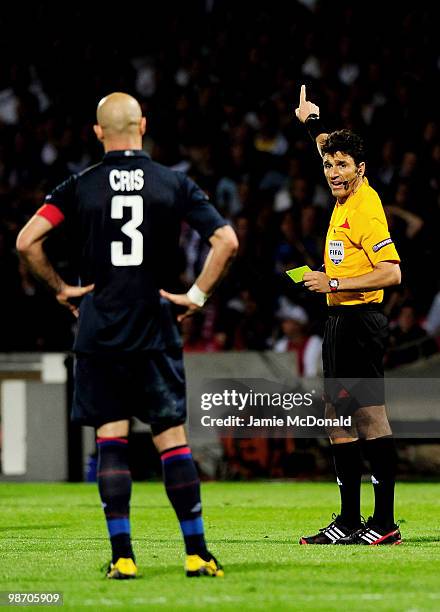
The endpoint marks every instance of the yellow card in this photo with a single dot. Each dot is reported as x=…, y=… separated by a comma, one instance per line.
x=297, y=274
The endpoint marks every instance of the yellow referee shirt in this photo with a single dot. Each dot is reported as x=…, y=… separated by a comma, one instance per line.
x=357, y=240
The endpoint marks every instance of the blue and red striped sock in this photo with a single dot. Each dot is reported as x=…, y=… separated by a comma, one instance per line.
x=182, y=485
x=114, y=483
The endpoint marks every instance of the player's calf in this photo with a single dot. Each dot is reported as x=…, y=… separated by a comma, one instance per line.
x=114, y=483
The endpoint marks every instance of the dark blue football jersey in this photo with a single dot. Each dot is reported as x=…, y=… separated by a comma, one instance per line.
x=126, y=213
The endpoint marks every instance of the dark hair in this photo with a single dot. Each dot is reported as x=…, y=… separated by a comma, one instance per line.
x=346, y=142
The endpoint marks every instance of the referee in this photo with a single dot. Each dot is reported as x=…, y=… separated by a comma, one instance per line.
x=126, y=213
x=360, y=260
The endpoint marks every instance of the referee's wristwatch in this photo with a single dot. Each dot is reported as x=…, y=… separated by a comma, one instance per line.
x=333, y=283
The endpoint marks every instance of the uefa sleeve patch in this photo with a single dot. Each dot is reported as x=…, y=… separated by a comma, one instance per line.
x=382, y=244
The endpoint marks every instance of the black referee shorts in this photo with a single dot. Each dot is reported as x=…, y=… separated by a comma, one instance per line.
x=355, y=338
x=150, y=386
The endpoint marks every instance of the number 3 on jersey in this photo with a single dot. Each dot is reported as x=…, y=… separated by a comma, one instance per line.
x=136, y=254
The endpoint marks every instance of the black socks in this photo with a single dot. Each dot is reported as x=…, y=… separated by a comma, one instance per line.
x=348, y=466
x=182, y=485
x=114, y=483
x=382, y=455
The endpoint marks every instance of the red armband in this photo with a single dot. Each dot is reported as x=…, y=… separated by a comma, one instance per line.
x=52, y=213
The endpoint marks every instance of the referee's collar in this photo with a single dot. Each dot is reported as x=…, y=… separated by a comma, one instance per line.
x=126, y=153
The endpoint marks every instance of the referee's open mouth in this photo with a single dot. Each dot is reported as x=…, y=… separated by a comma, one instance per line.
x=336, y=185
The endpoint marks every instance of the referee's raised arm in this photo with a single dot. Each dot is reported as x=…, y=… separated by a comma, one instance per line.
x=308, y=113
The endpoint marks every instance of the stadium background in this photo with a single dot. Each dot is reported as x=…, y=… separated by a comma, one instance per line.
x=218, y=82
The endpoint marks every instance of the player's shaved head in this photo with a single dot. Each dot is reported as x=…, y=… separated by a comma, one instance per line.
x=119, y=113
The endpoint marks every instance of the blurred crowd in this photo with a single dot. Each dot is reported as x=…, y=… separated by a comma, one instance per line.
x=219, y=83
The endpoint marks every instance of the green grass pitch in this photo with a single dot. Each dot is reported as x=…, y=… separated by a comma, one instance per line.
x=53, y=538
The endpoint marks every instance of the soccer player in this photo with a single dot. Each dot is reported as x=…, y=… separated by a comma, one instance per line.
x=360, y=260
x=126, y=212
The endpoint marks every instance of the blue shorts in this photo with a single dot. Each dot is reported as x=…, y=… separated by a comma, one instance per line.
x=149, y=386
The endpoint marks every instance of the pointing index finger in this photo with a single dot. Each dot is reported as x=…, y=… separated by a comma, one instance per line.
x=302, y=95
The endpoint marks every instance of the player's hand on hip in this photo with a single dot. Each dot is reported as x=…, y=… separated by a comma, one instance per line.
x=316, y=281
x=305, y=107
x=180, y=299
x=67, y=293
